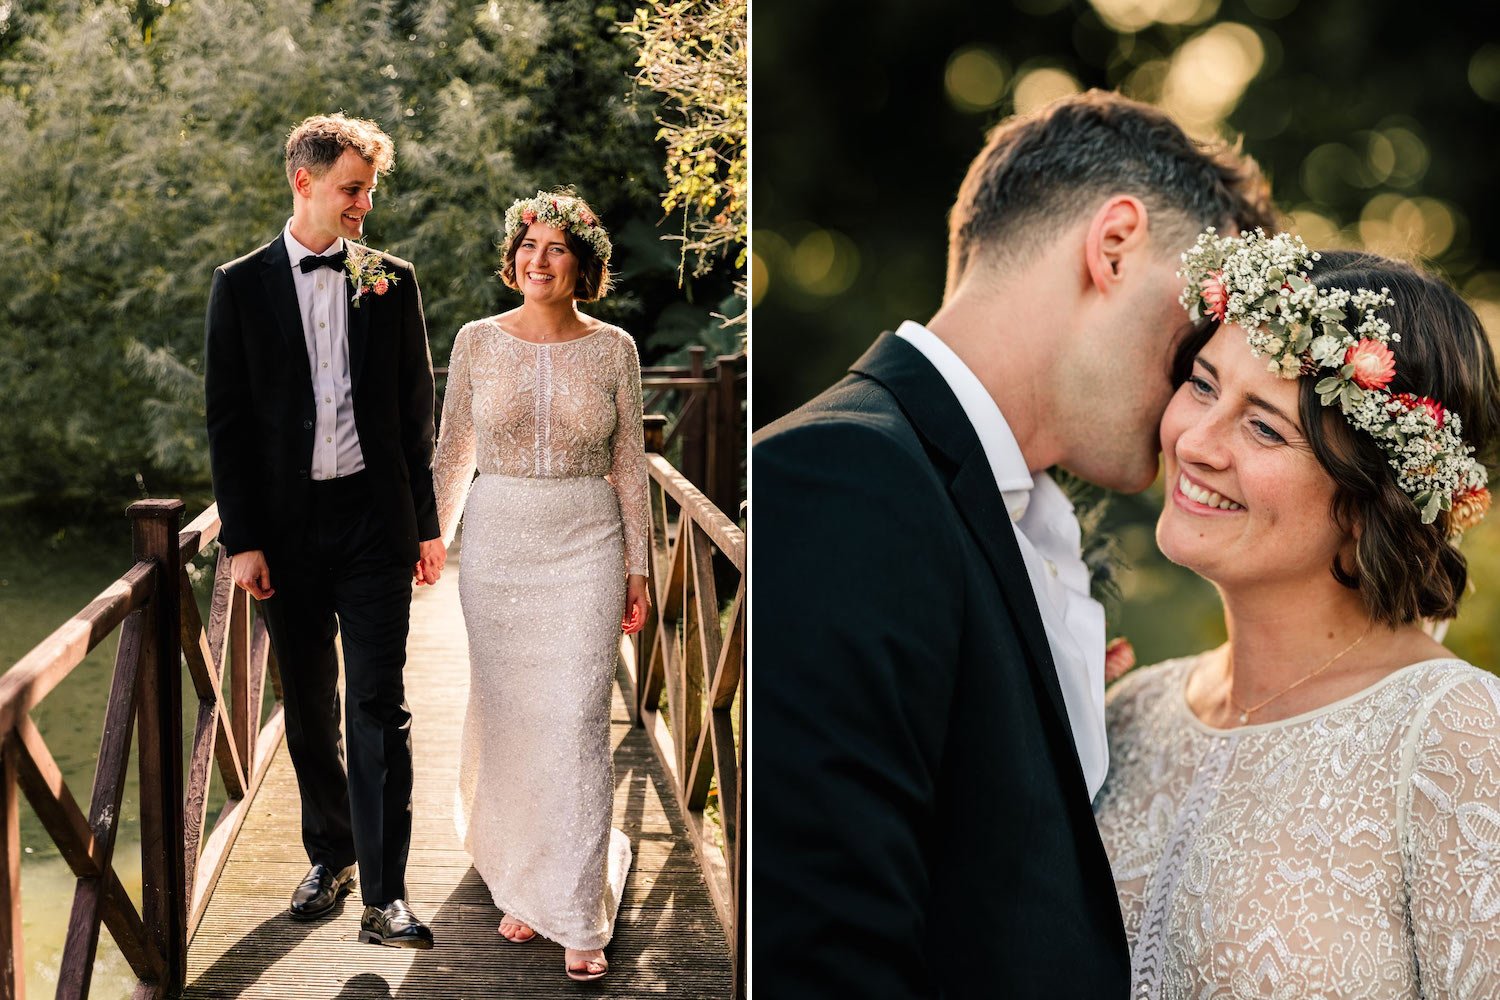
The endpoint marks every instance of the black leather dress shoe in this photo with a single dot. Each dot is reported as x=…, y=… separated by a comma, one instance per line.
x=395, y=927
x=319, y=891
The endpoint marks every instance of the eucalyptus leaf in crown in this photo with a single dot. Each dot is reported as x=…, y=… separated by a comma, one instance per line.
x=1260, y=284
x=560, y=211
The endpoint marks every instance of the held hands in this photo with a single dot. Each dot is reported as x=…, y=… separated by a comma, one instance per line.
x=433, y=556
x=637, y=604
x=251, y=573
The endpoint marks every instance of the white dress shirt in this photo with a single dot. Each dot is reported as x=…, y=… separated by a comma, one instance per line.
x=1049, y=538
x=323, y=302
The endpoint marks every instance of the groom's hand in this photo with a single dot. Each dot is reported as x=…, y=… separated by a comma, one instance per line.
x=250, y=571
x=432, y=556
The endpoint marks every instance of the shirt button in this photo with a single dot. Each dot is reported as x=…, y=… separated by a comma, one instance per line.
x=320, y=286
x=307, y=425
x=327, y=399
x=329, y=440
x=325, y=364
x=321, y=325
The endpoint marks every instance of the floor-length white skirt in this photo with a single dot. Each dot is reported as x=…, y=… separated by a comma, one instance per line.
x=543, y=588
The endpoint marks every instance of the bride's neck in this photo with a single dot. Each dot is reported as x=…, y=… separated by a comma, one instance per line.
x=1278, y=634
x=549, y=318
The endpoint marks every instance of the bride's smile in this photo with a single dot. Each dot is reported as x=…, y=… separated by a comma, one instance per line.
x=1247, y=497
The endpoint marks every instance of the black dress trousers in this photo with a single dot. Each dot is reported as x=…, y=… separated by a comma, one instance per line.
x=340, y=579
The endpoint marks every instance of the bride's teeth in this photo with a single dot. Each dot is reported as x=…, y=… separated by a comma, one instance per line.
x=1208, y=498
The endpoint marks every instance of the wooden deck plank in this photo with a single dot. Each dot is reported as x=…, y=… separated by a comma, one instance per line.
x=668, y=941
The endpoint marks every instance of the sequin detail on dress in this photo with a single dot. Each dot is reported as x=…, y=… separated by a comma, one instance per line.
x=1352, y=852
x=556, y=515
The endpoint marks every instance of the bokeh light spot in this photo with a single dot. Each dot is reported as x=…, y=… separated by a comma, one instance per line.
x=1484, y=72
x=825, y=262
x=1039, y=87
x=1209, y=74
x=1134, y=15
x=976, y=79
x=760, y=279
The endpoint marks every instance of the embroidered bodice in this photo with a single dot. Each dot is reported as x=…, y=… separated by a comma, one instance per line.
x=559, y=410
x=1353, y=851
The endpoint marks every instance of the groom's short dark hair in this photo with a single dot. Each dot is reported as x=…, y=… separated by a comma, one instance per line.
x=1039, y=168
x=318, y=142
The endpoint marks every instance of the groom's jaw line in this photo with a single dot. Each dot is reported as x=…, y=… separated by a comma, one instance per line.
x=1203, y=496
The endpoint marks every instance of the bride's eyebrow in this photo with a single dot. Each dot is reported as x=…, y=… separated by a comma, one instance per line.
x=1253, y=399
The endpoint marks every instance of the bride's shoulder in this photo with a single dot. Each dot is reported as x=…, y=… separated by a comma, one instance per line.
x=1451, y=693
x=1155, y=676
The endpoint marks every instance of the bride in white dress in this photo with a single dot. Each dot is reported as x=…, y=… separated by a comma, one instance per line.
x=546, y=403
x=1313, y=809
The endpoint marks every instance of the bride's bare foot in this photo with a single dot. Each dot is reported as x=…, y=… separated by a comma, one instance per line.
x=585, y=965
x=513, y=930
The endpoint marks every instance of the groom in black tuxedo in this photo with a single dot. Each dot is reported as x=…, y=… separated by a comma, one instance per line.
x=929, y=663
x=320, y=428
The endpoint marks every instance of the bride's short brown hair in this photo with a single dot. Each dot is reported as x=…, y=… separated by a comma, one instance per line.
x=1403, y=569
x=594, y=281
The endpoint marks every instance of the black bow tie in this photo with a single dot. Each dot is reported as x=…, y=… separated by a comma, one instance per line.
x=333, y=260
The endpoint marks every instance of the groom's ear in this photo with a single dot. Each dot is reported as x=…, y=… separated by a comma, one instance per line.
x=1117, y=231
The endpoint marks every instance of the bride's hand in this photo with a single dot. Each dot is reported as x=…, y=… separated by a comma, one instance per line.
x=637, y=604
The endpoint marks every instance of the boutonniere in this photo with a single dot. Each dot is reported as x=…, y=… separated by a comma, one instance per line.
x=367, y=274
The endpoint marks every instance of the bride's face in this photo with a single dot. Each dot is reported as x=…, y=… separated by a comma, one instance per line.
x=545, y=268
x=1247, y=500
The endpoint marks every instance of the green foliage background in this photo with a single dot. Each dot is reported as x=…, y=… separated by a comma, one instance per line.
x=1372, y=118
x=143, y=148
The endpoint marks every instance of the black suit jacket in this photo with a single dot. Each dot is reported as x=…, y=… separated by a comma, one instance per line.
x=261, y=409
x=923, y=828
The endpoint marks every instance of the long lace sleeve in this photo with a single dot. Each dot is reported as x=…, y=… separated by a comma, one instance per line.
x=453, y=468
x=1451, y=838
x=627, y=467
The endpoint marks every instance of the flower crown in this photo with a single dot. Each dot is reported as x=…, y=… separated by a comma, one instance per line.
x=560, y=211
x=1260, y=283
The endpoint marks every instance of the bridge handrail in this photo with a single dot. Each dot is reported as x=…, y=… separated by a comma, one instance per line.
x=153, y=607
x=693, y=651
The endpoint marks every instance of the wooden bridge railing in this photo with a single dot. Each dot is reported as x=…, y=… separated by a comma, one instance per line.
x=695, y=653
x=156, y=612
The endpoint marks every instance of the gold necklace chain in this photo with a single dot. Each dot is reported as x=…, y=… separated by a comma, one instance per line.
x=1245, y=713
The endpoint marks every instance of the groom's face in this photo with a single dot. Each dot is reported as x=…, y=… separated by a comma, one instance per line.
x=336, y=203
x=1124, y=379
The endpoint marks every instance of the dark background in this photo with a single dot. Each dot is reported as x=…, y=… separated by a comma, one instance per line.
x=1376, y=122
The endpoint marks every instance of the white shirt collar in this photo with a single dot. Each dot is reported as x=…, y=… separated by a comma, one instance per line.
x=296, y=251
x=1006, y=461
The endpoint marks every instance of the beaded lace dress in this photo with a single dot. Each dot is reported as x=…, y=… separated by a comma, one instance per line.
x=554, y=521
x=1350, y=852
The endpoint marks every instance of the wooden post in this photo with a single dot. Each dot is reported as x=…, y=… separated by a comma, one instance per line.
x=724, y=478
x=655, y=431
x=12, y=972
x=695, y=431
x=154, y=525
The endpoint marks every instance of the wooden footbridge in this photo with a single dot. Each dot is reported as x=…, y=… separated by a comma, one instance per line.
x=211, y=920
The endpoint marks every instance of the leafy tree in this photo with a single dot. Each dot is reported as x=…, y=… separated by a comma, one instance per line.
x=694, y=53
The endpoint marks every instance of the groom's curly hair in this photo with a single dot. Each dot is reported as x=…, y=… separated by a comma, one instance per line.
x=1037, y=169
x=316, y=143
x=1404, y=570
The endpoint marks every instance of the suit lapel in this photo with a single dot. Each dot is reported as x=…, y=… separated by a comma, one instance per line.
x=936, y=414
x=276, y=275
x=358, y=322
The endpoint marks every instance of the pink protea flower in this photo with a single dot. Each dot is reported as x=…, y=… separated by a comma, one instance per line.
x=1214, y=295
x=1374, y=364
x=382, y=286
x=1119, y=658
x=588, y=220
x=1431, y=405
x=528, y=216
